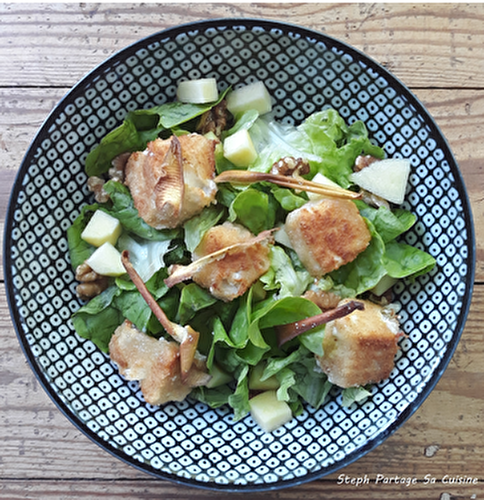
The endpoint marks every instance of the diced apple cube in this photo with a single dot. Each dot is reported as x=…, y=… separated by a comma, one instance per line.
x=197, y=91
x=102, y=228
x=253, y=96
x=385, y=178
x=320, y=178
x=106, y=260
x=239, y=148
x=255, y=379
x=219, y=377
x=383, y=285
x=268, y=411
x=282, y=237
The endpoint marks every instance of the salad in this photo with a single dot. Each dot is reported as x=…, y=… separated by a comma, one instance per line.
x=241, y=261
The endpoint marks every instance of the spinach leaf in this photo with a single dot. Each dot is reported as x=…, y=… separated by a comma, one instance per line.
x=98, y=319
x=193, y=299
x=80, y=250
x=197, y=226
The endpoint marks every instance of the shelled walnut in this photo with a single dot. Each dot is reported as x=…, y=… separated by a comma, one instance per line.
x=91, y=283
x=214, y=120
x=290, y=166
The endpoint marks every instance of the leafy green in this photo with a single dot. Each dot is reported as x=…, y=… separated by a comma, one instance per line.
x=145, y=255
x=123, y=139
x=193, y=299
x=282, y=275
x=402, y=260
x=254, y=209
x=337, y=144
x=140, y=127
x=352, y=395
x=389, y=224
x=80, y=250
x=197, y=226
x=365, y=271
x=288, y=199
x=97, y=320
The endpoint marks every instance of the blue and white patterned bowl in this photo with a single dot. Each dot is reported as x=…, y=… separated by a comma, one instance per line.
x=188, y=442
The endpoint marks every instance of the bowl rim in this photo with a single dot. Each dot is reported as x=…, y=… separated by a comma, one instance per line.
x=302, y=32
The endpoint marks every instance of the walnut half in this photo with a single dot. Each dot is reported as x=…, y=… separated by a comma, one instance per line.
x=91, y=283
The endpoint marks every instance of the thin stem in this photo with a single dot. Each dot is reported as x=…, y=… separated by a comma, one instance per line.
x=292, y=330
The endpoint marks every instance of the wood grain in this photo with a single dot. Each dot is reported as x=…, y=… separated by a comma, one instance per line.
x=55, y=44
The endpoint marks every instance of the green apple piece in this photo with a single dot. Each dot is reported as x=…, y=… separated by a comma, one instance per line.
x=219, y=377
x=268, y=411
x=383, y=285
x=197, y=91
x=239, y=148
x=255, y=382
x=320, y=178
x=106, y=260
x=253, y=96
x=282, y=237
x=385, y=178
x=102, y=228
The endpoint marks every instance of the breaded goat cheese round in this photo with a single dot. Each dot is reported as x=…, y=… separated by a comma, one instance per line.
x=172, y=180
x=155, y=363
x=232, y=274
x=327, y=234
x=360, y=348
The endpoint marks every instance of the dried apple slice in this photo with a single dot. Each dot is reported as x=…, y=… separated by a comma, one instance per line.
x=170, y=187
x=248, y=177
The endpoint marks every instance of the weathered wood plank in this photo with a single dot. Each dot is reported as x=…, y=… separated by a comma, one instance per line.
x=38, y=441
x=154, y=490
x=423, y=44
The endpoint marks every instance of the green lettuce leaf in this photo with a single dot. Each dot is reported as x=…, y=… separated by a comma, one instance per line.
x=352, y=395
x=282, y=275
x=365, y=271
x=388, y=223
x=402, y=260
x=337, y=144
x=123, y=139
x=254, y=209
x=193, y=299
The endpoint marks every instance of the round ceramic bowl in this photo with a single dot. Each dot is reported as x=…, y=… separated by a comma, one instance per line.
x=188, y=442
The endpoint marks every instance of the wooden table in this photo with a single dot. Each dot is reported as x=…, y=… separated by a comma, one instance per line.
x=437, y=50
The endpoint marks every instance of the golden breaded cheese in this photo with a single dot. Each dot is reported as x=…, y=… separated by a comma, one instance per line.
x=233, y=274
x=327, y=234
x=154, y=363
x=144, y=177
x=360, y=348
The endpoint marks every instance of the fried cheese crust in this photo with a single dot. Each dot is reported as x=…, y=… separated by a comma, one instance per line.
x=326, y=234
x=360, y=348
x=144, y=176
x=154, y=363
x=233, y=274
